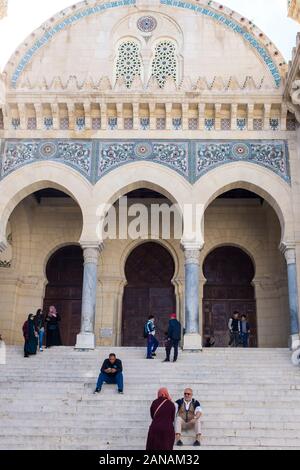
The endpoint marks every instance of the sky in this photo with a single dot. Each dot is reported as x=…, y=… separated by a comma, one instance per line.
x=24, y=16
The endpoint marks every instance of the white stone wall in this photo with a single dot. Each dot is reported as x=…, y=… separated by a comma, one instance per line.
x=94, y=39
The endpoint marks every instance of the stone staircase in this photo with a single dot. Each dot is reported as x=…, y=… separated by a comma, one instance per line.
x=250, y=399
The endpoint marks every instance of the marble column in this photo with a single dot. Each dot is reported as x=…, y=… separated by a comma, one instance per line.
x=192, y=338
x=290, y=256
x=86, y=337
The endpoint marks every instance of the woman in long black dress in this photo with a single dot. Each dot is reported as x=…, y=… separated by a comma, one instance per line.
x=162, y=433
x=52, y=323
x=30, y=336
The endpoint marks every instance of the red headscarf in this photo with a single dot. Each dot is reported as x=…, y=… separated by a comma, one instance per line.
x=173, y=316
x=163, y=393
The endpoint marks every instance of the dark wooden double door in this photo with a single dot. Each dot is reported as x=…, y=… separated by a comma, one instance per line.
x=149, y=271
x=64, y=290
x=229, y=272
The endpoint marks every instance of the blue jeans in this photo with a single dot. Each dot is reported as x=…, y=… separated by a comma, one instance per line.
x=111, y=379
x=41, y=338
x=245, y=339
x=152, y=345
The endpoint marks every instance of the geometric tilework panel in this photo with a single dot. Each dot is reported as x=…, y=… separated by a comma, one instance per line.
x=77, y=154
x=272, y=155
x=191, y=159
x=171, y=154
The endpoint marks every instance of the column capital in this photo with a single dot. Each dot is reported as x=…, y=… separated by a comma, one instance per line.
x=192, y=244
x=192, y=251
x=91, y=252
x=288, y=249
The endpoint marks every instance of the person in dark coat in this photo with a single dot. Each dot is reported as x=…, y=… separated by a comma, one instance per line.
x=39, y=322
x=30, y=336
x=52, y=323
x=161, y=434
x=174, y=335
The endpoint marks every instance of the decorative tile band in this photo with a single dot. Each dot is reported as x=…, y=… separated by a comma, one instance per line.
x=41, y=42
x=250, y=38
x=191, y=158
x=76, y=154
x=173, y=155
x=272, y=155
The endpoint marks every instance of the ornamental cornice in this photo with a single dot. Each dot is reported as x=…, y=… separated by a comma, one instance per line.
x=292, y=87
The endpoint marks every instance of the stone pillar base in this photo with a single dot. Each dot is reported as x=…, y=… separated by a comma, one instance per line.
x=296, y=357
x=192, y=342
x=2, y=353
x=85, y=341
x=294, y=342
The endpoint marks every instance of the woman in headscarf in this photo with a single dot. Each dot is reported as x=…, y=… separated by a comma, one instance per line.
x=53, y=333
x=161, y=433
x=30, y=336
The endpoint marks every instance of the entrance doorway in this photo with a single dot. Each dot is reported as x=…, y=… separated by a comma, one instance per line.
x=149, y=272
x=64, y=290
x=229, y=272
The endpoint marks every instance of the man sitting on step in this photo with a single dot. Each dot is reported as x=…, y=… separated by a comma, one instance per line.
x=111, y=373
x=188, y=414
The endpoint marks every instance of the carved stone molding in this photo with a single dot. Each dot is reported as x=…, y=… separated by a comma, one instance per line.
x=289, y=252
x=91, y=253
x=3, y=8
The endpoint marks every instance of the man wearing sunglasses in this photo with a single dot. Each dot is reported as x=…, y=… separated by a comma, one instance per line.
x=188, y=414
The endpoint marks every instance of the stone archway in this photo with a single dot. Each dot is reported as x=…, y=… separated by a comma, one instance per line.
x=64, y=290
x=229, y=272
x=149, y=272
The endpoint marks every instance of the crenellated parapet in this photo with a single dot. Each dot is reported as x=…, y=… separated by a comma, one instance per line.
x=91, y=106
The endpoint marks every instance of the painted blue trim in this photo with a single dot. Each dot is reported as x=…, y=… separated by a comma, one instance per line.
x=41, y=42
x=236, y=27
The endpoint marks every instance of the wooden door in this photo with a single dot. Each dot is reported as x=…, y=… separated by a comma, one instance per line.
x=64, y=290
x=149, y=272
x=229, y=272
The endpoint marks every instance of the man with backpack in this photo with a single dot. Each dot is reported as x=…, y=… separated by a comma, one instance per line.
x=149, y=333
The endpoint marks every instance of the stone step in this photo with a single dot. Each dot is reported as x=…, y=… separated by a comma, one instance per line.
x=96, y=443
x=250, y=399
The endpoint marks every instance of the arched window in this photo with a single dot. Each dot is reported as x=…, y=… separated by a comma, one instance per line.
x=129, y=63
x=164, y=64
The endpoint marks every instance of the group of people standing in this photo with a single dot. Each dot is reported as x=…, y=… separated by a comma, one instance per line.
x=39, y=325
x=239, y=330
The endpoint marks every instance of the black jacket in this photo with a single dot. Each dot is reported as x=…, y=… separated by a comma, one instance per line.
x=107, y=365
x=174, y=331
